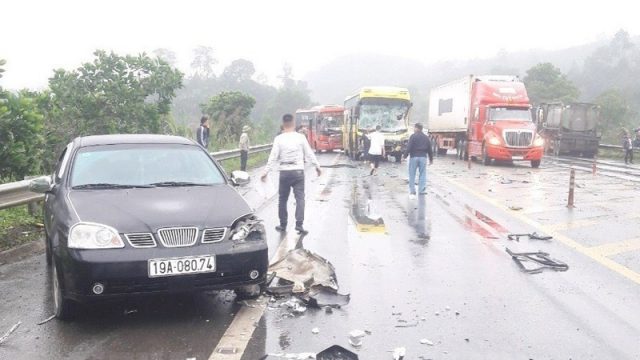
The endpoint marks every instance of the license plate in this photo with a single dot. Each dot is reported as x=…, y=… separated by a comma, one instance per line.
x=182, y=265
x=517, y=158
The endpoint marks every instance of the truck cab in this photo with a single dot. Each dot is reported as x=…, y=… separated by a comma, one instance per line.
x=501, y=126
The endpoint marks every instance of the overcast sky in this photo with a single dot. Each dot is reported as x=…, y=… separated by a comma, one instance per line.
x=38, y=36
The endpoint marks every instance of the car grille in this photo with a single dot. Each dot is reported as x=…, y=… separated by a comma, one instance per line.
x=141, y=240
x=178, y=237
x=518, y=138
x=213, y=235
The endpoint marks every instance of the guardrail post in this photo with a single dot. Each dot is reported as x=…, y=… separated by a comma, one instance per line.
x=32, y=207
x=572, y=181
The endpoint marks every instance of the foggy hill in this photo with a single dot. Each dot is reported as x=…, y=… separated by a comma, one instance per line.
x=341, y=77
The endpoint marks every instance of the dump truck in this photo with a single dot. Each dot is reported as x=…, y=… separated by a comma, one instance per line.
x=569, y=129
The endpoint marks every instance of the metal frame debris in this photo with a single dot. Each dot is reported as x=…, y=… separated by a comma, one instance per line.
x=539, y=257
x=531, y=236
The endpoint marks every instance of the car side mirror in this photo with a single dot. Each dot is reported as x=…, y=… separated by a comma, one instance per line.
x=41, y=185
x=239, y=178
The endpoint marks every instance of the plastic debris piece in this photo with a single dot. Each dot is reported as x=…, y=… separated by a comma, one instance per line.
x=399, y=353
x=315, y=331
x=426, y=342
x=515, y=208
x=227, y=350
x=130, y=311
x=336, y=352
x=8, y=333
x=47, y=320
x=355, y=337
x=447, y=308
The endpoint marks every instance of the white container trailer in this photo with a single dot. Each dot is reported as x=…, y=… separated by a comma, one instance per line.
x=448, y=115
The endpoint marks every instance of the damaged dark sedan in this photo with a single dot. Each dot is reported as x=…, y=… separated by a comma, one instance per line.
x=144, y=214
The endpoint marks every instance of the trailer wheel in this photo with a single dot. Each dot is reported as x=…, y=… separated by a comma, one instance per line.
x=486, y=160
x=535, y=164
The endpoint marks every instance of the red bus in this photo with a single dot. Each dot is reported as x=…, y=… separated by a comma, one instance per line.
x=323, y=126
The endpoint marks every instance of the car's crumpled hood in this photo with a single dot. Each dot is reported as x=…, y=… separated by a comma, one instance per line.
x=146, y=210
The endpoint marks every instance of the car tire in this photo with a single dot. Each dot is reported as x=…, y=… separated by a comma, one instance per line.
x=535, y=164
x=249, y=292
x=63, y=309
x=486, y=160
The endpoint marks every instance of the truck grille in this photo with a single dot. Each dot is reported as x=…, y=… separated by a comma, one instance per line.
x=213, y=235
x=518, y=138
x=178, y=237
x=141, y=240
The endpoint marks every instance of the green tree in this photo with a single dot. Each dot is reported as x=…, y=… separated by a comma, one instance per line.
x=546, y=83
x=166, y=55
x=114, y=94
x=229, y=112
x=21, y=140
x=240, y=70
x=2, y=63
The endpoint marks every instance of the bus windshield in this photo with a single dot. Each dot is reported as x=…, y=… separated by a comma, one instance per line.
x=506, y=113
x=389, y=114
x=331, y=121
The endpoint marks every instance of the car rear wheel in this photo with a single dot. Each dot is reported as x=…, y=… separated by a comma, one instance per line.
x=535, y=164
x=63, y=309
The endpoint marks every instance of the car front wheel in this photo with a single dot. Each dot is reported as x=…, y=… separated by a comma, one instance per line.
x=63, y=309
x=249, y=291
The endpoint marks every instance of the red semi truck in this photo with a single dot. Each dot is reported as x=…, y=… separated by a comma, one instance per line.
x=485, y=117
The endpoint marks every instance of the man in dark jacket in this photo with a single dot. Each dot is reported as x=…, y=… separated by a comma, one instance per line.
x=202, y=134
x=418, y=148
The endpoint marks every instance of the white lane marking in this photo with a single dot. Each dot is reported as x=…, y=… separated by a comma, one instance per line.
x=244, y=323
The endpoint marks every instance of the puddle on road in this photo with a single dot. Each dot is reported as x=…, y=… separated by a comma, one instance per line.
x=363, y=210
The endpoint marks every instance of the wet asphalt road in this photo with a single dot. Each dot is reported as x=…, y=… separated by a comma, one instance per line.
x=436, y=270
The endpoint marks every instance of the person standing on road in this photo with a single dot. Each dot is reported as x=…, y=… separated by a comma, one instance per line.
x=376, y=149
x=366, y=144
x=627, y=145
x=202, y=134
x=244, y=146
x=290, y=150
x=418, y=147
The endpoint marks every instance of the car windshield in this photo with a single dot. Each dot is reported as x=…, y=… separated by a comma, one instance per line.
x=507, y=113
x=331, y=121
x=143, y=165
x=390, y=115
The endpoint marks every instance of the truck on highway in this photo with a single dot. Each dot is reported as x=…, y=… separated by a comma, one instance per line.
x=485, y=117
x=569, y=129
x=371, y=106
x=324, y=126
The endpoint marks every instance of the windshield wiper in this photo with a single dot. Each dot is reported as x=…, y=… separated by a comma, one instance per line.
x=176, y=184
x=108, y=186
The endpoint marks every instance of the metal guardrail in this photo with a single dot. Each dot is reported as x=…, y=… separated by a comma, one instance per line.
x=17, y=193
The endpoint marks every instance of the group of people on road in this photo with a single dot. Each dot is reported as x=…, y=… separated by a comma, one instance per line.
x=291, y=150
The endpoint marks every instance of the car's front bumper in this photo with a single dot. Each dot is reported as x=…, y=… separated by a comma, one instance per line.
x=124, y=272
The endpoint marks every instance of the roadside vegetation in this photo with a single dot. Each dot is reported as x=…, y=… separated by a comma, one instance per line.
x=18, y=227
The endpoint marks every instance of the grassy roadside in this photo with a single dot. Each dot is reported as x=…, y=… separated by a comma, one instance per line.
x=18, y=227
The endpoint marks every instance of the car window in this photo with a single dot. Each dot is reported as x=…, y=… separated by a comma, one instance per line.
x=144, y=164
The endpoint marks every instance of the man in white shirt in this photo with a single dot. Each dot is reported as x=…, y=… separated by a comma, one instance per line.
x=244, y=146
x=290, y=150
x=376, y=149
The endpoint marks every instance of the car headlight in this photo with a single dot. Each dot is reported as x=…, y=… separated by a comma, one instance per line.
x=249, y=229
x=494, y=141
x=94, y=236
x=539, y=141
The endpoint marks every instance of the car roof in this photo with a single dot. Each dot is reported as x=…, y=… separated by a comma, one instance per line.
x=130, y=139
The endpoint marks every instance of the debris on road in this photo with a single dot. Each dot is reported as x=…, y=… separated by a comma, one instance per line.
x=355, y=337
x=47, y=320
x=8, y=333
x=515, y=208
x=399, y=353
x=407, y=325
x=540, y=258
x=531, y=236
x=315, y=331
x=426, y=342
x=336, y=352
x=227, y=350
x=130, y=311
x=300, y=356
